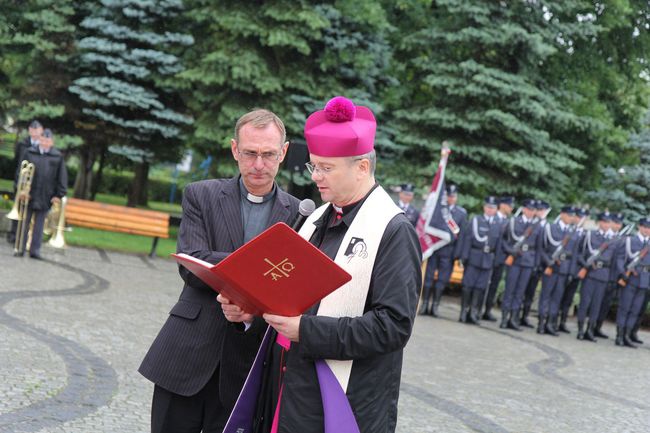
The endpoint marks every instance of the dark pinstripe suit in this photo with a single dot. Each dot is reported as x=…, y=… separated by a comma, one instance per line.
x=196, y=339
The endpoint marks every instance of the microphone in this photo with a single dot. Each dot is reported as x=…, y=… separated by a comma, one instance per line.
x=306, y=208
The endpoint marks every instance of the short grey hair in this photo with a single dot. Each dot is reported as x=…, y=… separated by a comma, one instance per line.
x=370, y=156
x=260, y=118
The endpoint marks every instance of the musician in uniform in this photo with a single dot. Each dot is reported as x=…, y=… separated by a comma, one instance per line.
x=35, y=131
x=521, y=242
x=634, y=261
x=559, y=252
x=542, y=210
x=49, y=185
x=405, y=198
x=597, y=259
x=479, y=243
x=504, y=211
x=442, y=260
x=572, y=279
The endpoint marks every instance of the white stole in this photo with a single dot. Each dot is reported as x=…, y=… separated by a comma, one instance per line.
x=363, y=238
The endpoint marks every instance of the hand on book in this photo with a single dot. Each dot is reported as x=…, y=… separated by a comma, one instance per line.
x=232, y=312
x=287, y=326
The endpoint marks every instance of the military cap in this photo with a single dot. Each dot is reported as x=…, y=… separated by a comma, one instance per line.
x=491, y=201
x=507, y=199
x=452, y=189
x=407, y=187
x=530, y=203
x=605, y=216
x=618, y=217
x=569, y=210
x=582, y=212
x=644, y=221
x=542, y=205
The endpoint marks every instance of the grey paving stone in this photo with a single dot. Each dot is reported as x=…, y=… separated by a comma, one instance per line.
x=73, y=330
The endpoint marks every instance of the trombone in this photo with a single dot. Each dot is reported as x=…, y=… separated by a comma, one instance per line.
x=57, y=240
x=21, y=202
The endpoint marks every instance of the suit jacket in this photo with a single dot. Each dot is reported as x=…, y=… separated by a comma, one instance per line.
x=479, y=242
x=453, y=248
x=50, y=177
x=529, y=255
x=600, y=270
x=196, y=338
x=633, y=245
x=553, y=237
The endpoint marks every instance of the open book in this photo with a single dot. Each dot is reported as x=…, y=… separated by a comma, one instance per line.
x=276, y=272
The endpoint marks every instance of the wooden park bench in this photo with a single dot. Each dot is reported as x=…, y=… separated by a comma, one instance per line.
x=121, y=219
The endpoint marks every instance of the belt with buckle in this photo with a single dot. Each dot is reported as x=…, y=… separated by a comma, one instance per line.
x=524, y=247
x=486, y=249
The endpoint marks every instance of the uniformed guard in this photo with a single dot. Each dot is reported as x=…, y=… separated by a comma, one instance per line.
x=405, y=198
x=618, y=242
x=506, y=204
x=572, y=279
x=522, y=242
x=479, y=243
x=541, y=212
x=442, y=260
x=559, y=251
x=634, y=262
x=596, y=260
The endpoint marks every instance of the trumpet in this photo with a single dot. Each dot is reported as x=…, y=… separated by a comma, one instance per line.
x=21, y=202
x=57, y=240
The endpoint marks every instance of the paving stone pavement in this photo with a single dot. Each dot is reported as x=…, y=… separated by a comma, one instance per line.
x=74, y=328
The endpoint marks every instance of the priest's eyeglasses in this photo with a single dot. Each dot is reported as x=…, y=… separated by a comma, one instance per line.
x=251, y=157
x=324, y=171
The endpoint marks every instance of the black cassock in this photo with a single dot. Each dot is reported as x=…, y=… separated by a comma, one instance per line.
x=375, y=340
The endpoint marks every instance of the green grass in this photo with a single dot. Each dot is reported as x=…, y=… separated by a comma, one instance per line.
x=89, y=238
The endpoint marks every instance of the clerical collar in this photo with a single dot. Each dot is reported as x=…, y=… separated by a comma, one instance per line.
x=255, y=198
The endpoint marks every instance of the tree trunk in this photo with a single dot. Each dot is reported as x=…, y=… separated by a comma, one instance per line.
x=138, y=190
x=98, y=177
x=83, y=181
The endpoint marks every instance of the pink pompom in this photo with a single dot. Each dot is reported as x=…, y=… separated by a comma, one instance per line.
x=340, y=109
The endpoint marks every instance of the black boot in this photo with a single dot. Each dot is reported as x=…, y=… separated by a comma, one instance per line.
x=563, y=327
x=550, y=326
x=634, y=336
x=541, y=324
x=619, y=336
x=589, y=333
x=504, y=319
x=598, y=332
x=424, y=306
x=477, y=298
x=464, y=305
x=524, y=318
x=513, y=323
x=437, y=296
x=627, y=342
x=488, y=315
x=581, y=330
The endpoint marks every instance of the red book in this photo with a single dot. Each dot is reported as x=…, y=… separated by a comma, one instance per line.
x=276, y=272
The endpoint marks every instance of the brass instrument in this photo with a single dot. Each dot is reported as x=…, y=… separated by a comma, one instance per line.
x=23, y=188
x=57, y=240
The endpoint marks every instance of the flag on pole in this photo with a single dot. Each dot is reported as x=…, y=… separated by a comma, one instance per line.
x=433, y=228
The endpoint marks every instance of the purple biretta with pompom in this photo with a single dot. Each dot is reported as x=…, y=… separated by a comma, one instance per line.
x=341, y=129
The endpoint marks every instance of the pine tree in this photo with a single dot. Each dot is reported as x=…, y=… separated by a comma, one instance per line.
x=627, y=188
x=36, y=43
x=473, y=73
x=128, y=55
x=285, y=55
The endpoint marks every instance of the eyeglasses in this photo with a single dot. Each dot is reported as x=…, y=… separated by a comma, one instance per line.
x=267, y=157
x=324, y=171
